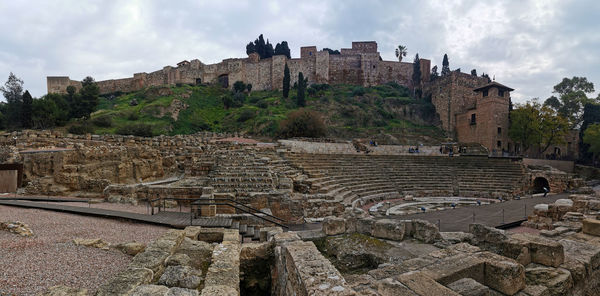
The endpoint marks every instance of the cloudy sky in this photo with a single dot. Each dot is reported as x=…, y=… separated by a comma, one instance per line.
x=528, y=45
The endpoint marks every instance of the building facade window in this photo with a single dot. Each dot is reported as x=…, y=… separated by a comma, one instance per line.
x=501, y=92
x=499, y=131
x=485, y=93
x=473, y=119
x=499, y=144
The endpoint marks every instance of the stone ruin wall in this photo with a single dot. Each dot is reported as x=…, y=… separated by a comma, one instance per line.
x=360, y=65
x=453, y=94
x=57, y=164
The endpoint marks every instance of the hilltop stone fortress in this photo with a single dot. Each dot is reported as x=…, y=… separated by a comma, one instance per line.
x=359, y=65
x=469, y=108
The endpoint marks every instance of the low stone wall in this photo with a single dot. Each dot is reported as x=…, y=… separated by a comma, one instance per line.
x=348, y=148
x=300, y=269
x=563, y=165
x=395, y=230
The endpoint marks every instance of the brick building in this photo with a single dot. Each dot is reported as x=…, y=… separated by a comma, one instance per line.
x=473, y=110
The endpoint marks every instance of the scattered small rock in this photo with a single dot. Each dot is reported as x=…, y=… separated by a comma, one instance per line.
x=92, y=242
x=131, y=248
x=17, y=227
x=65, y=291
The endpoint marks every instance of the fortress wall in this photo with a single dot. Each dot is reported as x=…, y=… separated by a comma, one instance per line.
x=114, y=85
x=453, y=94
x=360, y=65
x=345, y=69
x=277, y=69
x=322, y=67
x=59, y=84
x=394, y=71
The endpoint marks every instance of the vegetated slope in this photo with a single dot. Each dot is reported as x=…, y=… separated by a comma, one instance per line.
x=384, y=112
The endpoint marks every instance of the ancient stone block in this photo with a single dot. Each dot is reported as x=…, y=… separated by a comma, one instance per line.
x=65, y=291
x=150, y=290
x=131, y=248
x=125, y=282
x=425, y=231
x=224, y=271
x=181, y=276
x=542, y=250
x=192, y=231
x=334, y=225
x=423, y=285
x=591, y=226
x=391, y=287
x=199, y=252
x=388, y=229
x=178, y=259
x=469, y=287
x=153, y=260
x=502, y=274
x=176, y=291
x=557, y=280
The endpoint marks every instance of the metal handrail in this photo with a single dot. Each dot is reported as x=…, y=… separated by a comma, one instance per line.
x=241, y=209
x=239, y=203
x=198, y=201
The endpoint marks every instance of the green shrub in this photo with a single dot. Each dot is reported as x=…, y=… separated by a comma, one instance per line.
x=358, y=91
x=302, y=123
x=140, y=130
x=246, y=115
x=262, y=104
x=81, y=129
x=318, y=87
x=133, y=115
x=102, y=121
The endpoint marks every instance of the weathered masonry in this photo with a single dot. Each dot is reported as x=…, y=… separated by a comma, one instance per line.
x=359, y=65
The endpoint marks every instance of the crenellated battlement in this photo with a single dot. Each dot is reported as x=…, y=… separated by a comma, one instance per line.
x=360, y=65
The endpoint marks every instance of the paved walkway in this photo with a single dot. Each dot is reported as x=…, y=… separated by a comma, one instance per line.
x=494, y=215
x=169, y=219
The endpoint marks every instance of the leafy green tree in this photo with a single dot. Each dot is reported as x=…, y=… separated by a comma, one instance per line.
x=535, y=125
x=87, y=99
x=282, y=49
x=401, y=52
x=250, y=48
x=286, y=81
x=591, y=136
x=474, y=72
x=445, y=66
x=300, y=97
x=264, y=49
x=239, y=86
x=44, y=113
x=2, y=115
x=13, y=92
x=416, y=76
x=302, y=123
x=331, y=51
x=572, y=96
x=591, y=115
x=26, y=110
x=434, y=73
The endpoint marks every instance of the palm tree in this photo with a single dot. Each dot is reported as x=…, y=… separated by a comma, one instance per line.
x=401, y=52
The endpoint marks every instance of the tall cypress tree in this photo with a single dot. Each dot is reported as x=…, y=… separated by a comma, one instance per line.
x=286, y=81
x=27, y=110
x=445, y=66
x=300, y=99
x=416, y=76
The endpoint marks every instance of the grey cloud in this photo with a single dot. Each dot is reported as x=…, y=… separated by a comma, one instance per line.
x=529, y=45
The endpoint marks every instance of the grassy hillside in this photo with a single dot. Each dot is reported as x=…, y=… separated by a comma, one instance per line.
x=384, y=111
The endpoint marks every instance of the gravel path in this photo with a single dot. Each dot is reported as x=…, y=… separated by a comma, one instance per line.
x=31, y=265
